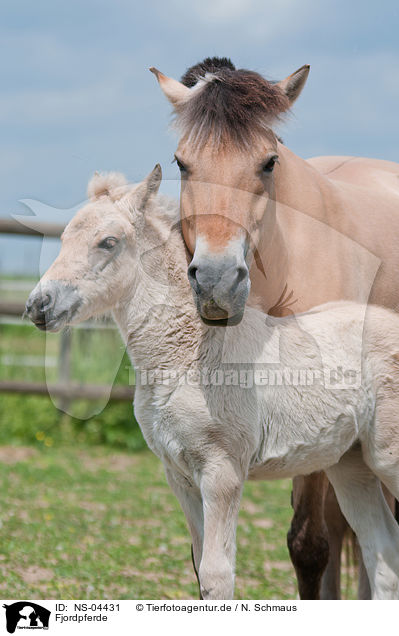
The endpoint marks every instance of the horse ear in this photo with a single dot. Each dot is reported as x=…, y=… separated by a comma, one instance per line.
x=101, y=185
x=147, y=189
x=175, y=91
x=293, y=84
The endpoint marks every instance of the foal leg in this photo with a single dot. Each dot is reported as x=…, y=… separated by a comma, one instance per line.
x=221, y=488
x=337, y=529
x=362, y=502
x=308, y=536
x=191, y=503
x=380, y=444
x=363, y=590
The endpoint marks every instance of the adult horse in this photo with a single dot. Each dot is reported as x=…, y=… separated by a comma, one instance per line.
x=260, y=221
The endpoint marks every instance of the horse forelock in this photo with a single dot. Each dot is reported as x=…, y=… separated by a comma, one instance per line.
x=208, y=65
x=228, y=104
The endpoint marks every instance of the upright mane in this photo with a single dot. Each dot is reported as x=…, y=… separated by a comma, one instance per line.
x=162, y=240
x=228, y=104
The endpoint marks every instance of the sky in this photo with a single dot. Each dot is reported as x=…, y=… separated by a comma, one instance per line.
x=77, y=96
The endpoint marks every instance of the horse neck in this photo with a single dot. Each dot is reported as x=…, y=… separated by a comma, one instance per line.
x=299, y=186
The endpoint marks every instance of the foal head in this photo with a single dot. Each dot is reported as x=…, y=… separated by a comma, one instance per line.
x=228, y=157
x=99, y=254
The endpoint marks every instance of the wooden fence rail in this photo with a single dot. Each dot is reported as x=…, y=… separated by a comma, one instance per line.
x=11, y=308
x=71, y=391
x=11, y=226
x=67, y=391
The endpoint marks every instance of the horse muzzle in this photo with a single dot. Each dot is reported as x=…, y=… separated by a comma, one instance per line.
x=220, y=290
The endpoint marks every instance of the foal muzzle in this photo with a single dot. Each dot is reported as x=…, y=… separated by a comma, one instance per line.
x=52, y=304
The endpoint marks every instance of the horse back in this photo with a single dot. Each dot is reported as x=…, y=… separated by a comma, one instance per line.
x=369, y=173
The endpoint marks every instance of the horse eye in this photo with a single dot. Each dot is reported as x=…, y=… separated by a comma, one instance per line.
x=181, y=166
x=108, y=243
x=270, y=163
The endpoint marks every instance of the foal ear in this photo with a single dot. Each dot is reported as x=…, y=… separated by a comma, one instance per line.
x=174, y=90
x=101, y=185
x=147, y=189
x=293, y=84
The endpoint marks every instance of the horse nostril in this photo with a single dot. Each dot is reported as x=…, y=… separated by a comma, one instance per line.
x=46, y=301
x=192, y=275
x=242, y=274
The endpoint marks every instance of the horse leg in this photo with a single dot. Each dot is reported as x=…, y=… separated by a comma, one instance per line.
x=337, y=527
x=362, y=502
x=308, y=536
x=191, y=503
x=312, y=581
x=221, y=489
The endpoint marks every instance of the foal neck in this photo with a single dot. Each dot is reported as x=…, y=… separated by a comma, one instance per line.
x=158, y=318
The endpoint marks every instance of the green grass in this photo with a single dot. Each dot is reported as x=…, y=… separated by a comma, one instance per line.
x=98, y=357
x=95, y=523
x=16, y=293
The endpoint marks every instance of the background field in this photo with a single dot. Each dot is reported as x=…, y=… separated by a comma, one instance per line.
x=90, y=522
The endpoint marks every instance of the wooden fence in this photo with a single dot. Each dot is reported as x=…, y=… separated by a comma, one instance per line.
x=65, y=390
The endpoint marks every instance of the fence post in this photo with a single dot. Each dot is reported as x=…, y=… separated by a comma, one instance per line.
x=64, y=366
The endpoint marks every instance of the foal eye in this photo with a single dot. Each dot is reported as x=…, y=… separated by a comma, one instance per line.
x=108, y=243
x=269, y=165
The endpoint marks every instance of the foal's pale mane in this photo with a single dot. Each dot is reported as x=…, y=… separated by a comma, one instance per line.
x=162, y=237
x=228, y=105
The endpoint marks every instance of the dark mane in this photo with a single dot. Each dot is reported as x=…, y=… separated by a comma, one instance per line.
x=208, y=65
x=228, y=104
